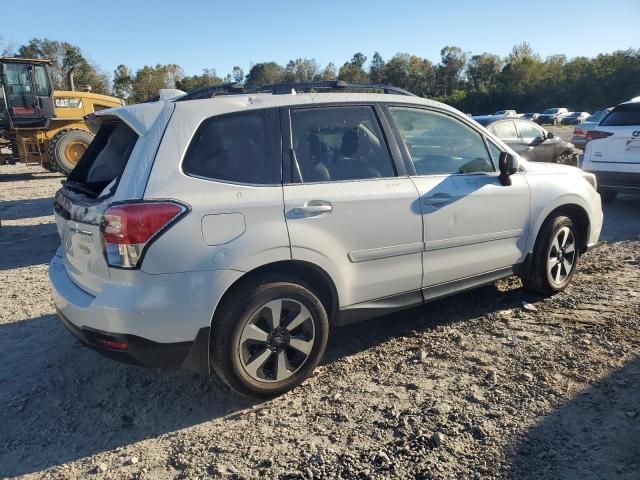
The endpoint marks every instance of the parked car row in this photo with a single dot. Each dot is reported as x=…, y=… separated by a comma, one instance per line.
x=552, y=116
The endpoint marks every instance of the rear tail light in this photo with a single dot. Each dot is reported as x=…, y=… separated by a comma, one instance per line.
x=597, y=135
x=129, y=228
x=578, y=132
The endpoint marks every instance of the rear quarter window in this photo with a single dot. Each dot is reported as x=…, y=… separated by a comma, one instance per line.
x=623, y=115
x=240, y=148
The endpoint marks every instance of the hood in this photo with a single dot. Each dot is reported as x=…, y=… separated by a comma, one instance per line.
x=547, y=168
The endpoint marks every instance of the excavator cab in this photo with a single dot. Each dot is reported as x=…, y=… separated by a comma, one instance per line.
x=26, y=93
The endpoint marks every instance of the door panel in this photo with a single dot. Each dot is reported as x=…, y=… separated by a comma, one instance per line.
x=536, y=145
x=472, y=223
x=348, y=212
x=371, y=237
x=481, y=227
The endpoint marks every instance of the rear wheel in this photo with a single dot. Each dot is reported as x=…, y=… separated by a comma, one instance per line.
x=554, y=258
x=269, y=337
x=608, y=196
x=67, y=147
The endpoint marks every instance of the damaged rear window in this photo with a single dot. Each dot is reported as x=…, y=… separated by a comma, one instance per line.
x=105, y=159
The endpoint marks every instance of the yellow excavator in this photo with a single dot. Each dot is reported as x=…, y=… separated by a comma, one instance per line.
x=40, y=125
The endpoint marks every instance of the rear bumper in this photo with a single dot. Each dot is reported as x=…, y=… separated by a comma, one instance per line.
x=144, y=352
x=164, y=320
x=628, y=182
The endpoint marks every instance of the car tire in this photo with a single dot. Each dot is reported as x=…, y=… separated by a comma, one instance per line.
x=257, y=357
x=66, y=148
x=608, y=196
x=568, y=158
x=554, y=258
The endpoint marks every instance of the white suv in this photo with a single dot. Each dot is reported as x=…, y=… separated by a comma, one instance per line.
x=232, y=232
x=612, y=152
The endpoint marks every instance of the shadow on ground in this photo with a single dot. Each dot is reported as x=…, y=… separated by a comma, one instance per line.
x=26, y=245
x=26, y=208
x=621, y=219
x=36, y=175
x=594, y=436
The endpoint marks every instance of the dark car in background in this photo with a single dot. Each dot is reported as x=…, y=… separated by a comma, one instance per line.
x=552, y=116
x=529, y=140
x=580, y=132
x=575, y=118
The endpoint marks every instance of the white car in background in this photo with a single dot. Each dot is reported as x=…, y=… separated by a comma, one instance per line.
x=612, y=152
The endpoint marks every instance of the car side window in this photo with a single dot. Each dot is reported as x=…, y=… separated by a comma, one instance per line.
x=440, y=144
x=240, y=148
x=339, y=143
x=526, y=130
x=503, y=129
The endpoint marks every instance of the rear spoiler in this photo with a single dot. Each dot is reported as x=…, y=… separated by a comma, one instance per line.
x=139, y=117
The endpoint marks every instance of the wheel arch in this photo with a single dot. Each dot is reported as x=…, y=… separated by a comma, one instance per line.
x=312, y=275
x=578, y=216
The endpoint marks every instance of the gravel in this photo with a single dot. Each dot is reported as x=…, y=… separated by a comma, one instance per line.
x=473, y=386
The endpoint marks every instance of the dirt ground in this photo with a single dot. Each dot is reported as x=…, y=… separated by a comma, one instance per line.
x=480, y=385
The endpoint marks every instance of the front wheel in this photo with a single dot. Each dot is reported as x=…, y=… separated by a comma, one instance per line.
x=568, y=158
x=269, y=337
x=554, y=258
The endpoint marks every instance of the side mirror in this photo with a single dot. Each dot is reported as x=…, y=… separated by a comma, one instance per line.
x=508, y=166
x=550, y=135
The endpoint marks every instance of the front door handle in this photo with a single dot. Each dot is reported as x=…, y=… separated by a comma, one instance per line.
x=312, y=208
x=438, y=199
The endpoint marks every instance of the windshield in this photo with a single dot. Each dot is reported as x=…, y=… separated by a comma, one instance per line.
x=551, y=110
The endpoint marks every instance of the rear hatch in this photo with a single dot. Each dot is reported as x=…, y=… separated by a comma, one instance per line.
x=622, y=147
x=85, y=195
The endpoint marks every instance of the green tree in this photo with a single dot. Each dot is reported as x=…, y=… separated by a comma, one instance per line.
x=329, y=72
x=149, y=80
x=265, y=73
x=483, y=71
x=353, y=70
x=376, y=68
x=123, y=82
x=302, y=70
x=66, y=57
x=208, y=78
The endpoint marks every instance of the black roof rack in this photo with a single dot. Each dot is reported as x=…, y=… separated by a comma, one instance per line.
x=286, y=88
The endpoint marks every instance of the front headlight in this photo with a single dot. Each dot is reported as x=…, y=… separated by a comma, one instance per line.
x=591, y=178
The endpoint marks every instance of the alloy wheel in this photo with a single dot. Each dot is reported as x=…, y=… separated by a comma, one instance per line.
x=277, y=340
x=562, y=256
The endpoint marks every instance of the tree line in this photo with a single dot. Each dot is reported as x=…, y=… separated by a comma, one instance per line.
x=481, y=83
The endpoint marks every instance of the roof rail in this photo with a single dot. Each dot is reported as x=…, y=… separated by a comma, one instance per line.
x=287, y=88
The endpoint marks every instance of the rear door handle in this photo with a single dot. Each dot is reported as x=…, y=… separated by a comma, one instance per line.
x=438, y=199
x=312, y=208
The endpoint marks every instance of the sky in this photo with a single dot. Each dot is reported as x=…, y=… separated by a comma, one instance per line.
x=219, y=35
